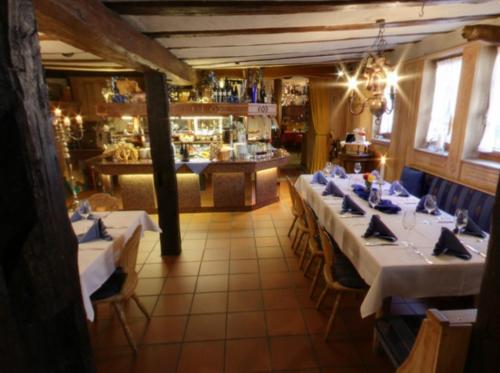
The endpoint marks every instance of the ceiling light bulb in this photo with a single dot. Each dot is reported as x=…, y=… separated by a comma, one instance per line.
x=392, y=78
x=352, y=83
x=340, y=73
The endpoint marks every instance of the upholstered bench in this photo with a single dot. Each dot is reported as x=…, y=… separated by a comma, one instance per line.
x=450, y=195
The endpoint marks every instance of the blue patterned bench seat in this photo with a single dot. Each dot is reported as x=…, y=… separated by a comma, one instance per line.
x=450, y=195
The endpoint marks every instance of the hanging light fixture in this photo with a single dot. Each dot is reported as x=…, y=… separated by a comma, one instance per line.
x=377, y=75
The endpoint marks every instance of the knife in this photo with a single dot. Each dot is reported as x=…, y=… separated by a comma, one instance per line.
x=474, y=250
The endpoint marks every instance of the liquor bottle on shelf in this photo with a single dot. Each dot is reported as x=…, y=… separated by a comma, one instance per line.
x=262, y=93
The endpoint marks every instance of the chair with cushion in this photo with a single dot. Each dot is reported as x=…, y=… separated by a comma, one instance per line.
x=103, y=202
x=413, y=180
x=313, y=247
x=301, y=229
x=339, y=275
x=451, y=196
x=120, y=287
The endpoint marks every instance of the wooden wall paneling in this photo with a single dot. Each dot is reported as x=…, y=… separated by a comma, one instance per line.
x=88, y=92
x=460, y=119
x=478, y=176
x=478, y=101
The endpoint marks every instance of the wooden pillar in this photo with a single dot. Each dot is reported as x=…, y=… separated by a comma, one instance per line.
x=485, y=343
x=278, y=91
x=42, y=320
x=163, y=162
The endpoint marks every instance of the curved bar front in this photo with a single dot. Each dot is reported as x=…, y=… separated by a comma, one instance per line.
x=202, y=186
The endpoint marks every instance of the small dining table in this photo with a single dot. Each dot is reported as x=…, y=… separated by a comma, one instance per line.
x=395, y=269
x=97, y=258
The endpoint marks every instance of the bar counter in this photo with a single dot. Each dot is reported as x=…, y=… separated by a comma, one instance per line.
x=202, y=185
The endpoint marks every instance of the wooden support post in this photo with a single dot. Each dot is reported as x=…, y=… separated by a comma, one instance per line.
x=163, y=162
x=278, y=92
x=485, y=343
x=42, y=320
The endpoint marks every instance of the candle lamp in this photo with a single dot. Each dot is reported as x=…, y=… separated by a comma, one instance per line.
x=64, y=132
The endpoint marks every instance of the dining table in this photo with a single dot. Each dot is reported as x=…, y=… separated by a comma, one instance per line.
x=97, y=258
x=396, y=268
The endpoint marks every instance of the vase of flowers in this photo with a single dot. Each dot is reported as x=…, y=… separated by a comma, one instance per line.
x=369, y=179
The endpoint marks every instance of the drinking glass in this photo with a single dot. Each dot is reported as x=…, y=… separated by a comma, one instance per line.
x=84, y=209
x=374, y=198
x=430, y=203
x=409, y=221
x=357, y=167
x=461, y=218
x=327, y=170
x=398, y=188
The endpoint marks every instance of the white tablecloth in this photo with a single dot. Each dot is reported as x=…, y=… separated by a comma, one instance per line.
x=395, y=270
x=96, y=259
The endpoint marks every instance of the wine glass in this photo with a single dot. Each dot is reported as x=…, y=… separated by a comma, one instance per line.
x=84, y=209
x=357, y=167
x=397, y=187
x=461, y=218
x=430, y=203
x=327, y=170
x=409, y=221
x=374, y=198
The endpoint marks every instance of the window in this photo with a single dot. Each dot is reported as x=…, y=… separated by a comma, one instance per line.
x=490, y=142
x=383, y=132
x=443, y=104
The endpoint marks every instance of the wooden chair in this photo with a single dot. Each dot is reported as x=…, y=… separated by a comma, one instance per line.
x=295, y=213
x=301, y=229
x=120, y=287
x=103, y=202
x=438, y=344
x=313, y=248
x=348, y=281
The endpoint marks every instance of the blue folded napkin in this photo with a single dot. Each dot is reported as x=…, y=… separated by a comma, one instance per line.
x=96, y=232
x=348, y=205
x=361, y=191
x=472, y=229
x=340, y=172
x=378, y=229
x=332, y=190
x=76, y=216
x=386, y=206
x=421, y=208
x=319, y=178
x=449, y=244
x=404, y=192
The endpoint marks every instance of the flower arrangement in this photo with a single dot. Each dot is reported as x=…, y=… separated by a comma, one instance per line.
x=369, y=179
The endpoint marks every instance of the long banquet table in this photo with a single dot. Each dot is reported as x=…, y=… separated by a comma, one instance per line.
x=96, y=259
x=395, y=270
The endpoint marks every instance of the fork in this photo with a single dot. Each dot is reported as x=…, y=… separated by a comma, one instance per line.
x=427, y=260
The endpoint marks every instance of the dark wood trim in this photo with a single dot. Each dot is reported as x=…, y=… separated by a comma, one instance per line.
x=309, y=70
x=162, y=156
x=228, y=65
x=489, y=33
x=206, y=45
x=42, y=319
x=342, y=27
x=493, y=157
x=91, y=26
x=67, y=60
x=224, y=8
x=485, y=340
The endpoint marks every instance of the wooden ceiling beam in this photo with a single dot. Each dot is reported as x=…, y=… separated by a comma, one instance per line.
x=223, y=8
x=276, y=72
x=340, y=27
x=90, y=26
x=416, y=34
x=489, y=33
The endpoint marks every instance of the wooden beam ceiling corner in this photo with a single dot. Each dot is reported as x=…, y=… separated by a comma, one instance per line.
x=91, y=26
x=489, y=33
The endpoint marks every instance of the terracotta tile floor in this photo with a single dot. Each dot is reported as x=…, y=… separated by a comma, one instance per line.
x=234, y=301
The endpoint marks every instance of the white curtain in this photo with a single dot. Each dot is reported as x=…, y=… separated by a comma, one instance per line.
x=387, y=119
x=443, y=104
x=491, y=136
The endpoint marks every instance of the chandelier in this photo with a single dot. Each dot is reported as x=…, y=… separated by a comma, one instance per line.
x=377, y=74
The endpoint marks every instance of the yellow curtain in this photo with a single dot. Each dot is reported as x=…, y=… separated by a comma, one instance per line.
x=321, y=94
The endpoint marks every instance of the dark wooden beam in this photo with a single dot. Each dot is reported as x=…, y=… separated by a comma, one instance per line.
x=485, y=341
x=224, y=8
x=489, y=33
x=92, y=27
x=42, y=320
x=311, y=70
x=294, y=29
x=163, y=162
